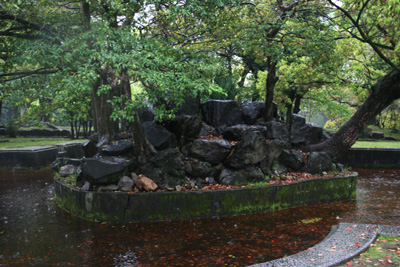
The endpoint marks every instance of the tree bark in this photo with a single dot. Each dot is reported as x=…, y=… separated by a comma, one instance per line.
x=271, y=81
x=384, y=92
x=143, y=147
x=102, y=109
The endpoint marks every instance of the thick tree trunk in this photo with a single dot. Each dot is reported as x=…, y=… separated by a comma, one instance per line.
x=143, y=147
x=271, y=81
x=102, y=109
x=384, y=92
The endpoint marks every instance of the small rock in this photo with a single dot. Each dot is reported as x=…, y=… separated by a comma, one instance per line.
x=143, y=182
x=86, y=186
x=178, y=188
x=125, y=183
x=67, y=170
x=209, y=180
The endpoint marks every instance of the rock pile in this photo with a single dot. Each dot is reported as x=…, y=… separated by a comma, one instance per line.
x=230, y=145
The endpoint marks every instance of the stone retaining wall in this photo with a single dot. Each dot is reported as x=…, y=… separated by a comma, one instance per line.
x=372, y=158
x=37, y=157
x=162, y=206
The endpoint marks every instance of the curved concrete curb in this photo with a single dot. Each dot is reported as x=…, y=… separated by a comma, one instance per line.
x=162, y=206
x=344, y=242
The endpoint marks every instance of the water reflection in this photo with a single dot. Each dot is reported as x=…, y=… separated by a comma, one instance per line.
x=33, y=230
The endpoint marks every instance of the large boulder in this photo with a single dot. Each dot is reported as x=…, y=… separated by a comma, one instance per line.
x=236, y=132
x=119, y=148
x=274, y=150
x=303, y=133
x=318, y=162
x=221, y=112
x=89, y=148
x=199, y=169
x=252, y=174
x=184, y=127
x=292, y=158
x=166, y=168
x=191, y=107
x=231, y=177
x=104, y=171
x=213, y=151
x=251, y=150
x=277, y=130
x=252, y=111
x=158, y=136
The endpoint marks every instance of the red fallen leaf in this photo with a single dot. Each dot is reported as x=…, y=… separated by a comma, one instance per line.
x=349, y=263
x=357, y=244
x=383, y=240
x=387, y=256
x=350, y=228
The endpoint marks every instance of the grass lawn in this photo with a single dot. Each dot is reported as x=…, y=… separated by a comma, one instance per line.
x=377, y=144
x=22, y=142
x=384, y=251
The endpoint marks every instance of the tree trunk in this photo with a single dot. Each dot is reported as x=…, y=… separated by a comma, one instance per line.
x=384, y=92
x=102, y=109
x=143, y=147
x=271, y=81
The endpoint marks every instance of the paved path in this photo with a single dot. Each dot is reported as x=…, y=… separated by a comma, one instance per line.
x=343, y=242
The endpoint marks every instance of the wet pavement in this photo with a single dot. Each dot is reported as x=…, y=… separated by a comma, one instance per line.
x=34, y=231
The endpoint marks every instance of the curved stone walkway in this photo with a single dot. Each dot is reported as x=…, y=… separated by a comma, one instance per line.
x=345, y=241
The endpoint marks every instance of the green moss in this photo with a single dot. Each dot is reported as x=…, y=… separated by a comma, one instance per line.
x=124, y=207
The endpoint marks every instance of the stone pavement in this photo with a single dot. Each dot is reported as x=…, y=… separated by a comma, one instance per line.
x=345, y=241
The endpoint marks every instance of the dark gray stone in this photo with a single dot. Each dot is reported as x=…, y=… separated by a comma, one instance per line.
x=103, y=171
x=391, y=138
x=236, y=132
x=59, y=162
x=94, y=138
x=190, y=107
x=125, y=184
x=200, y=169
x=185, y=127
x=377, y=135
x=158, y=136
x=166, y=168
x=252, y=111
x=278, y=168
x=212, y=151
x=292, y=158
x=274, y=150
x=250, y=151
x=318, y=162
x=277, y=130
x=86, y=186
x=206, y=129
x=89, y=149
x=231, y=177
x=118, y=148
x=252, y=174
x=67, y=170
x=303, y=133
x=221, y=112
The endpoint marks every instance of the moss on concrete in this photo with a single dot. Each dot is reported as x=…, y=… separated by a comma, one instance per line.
x=161, y=206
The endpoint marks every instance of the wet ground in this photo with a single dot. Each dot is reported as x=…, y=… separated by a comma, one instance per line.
x=34, y=231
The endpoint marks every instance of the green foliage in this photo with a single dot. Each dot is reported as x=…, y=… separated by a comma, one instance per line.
x=12, y=128
x=261, y=183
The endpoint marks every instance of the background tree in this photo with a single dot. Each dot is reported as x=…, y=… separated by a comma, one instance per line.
x=373, y=23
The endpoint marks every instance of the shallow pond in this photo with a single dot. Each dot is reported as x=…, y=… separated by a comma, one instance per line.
x=34, y=231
